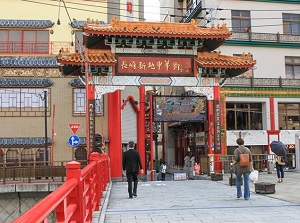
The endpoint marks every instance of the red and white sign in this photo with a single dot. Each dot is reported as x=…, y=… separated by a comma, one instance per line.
x=74, y=127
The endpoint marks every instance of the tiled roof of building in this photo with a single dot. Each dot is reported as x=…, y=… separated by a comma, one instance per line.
x=163, y=29
x=24, y=142
x=204, y=59
x=216, y=60
x=94, y=57
x=76, y=82
x=28, y=61
x=25, y=82
x=37, y=24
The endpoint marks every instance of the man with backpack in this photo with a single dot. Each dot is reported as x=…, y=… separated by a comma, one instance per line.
x=243, y=166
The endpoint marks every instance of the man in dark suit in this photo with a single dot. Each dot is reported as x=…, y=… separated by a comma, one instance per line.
x=131, y=163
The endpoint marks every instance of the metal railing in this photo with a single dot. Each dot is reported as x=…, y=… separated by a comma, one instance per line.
x=30, y=172
x=48, y=48
x=265, y=37
x=261, y=162
x=77, y=198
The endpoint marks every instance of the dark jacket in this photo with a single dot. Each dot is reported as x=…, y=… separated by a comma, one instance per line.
x=238, y=168
x=132, y=161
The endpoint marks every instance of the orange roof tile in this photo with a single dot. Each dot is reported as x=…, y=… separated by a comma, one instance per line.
x=94, y=57
x=216, y=60
x=163, y=29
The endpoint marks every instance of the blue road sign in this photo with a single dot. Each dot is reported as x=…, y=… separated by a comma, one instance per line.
x=74, y=140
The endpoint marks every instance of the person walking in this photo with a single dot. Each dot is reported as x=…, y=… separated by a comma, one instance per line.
x=279, y=162
x=131, y=164
x=242, y=170
x=163, y=170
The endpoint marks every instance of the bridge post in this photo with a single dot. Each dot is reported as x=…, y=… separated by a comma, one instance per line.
x=96, y=157
x=73, y=171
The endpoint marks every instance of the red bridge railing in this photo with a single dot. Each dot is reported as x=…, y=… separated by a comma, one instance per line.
x=77, y=198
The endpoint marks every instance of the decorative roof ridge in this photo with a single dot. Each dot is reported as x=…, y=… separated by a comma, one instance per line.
x=38, y=24
x=94, y=55
x=247, y=56
x=28, y=61
x=66, y=52
x=158, y=26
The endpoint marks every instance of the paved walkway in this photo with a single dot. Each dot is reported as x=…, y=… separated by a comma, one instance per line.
x=201, y=201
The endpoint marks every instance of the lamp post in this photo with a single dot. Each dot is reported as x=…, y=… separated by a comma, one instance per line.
x=46, y=133
x=44, y=98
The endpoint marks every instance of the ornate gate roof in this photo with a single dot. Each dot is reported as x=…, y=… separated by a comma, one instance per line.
x=106, y=41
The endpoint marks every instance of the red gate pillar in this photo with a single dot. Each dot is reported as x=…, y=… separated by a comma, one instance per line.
x=217, y=130
x=273, y=134
x=114, y=133
x=90, y=107
x=141, y=139
x=210, y=127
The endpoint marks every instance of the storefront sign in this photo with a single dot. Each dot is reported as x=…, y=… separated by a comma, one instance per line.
x=150, y=65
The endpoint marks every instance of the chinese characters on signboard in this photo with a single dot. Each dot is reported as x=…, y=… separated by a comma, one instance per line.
x=181, y=66
x=217, y=127
x=91, y=131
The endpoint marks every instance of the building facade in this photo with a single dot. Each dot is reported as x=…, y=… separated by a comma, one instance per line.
x=38, y=104
x=263, y=104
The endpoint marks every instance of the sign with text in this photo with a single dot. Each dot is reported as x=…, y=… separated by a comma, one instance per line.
x=217, y=126
x=141, y=65
x=74, y=127
x=179, y=176
x=178, y=108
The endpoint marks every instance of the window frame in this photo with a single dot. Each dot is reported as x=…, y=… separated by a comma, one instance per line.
x=24, y=102
x=289, y=117
x=247, y=112
x=241, y=18
x=291, y=26
x=40, y=44
x=99, y=103
x=290, y=65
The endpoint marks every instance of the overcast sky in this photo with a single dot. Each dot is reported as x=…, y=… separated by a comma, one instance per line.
x=152, y=10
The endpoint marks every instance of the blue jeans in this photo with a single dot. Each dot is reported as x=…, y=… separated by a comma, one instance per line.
x=280, y=172
x=246, y=185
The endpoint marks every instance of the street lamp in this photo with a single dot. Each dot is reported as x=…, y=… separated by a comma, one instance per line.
x=44, y=98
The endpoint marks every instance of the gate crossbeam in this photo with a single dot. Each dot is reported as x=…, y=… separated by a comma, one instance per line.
x=156, y=81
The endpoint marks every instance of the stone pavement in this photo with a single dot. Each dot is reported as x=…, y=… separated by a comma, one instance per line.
x=201, y=201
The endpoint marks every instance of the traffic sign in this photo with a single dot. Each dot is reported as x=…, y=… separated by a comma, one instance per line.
x=74, y=140
x=74, y=127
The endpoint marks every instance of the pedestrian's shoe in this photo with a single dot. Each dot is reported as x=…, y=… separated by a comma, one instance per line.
x=238, y=196
x=135, y=195
x=130, y=197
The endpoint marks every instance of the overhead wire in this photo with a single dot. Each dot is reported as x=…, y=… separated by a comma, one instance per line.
x=108, y=13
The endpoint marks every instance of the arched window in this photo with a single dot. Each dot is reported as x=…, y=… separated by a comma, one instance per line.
x=40, y=156
x=81, y=155
x=1, y=157
x=27, y=157
x=12, y=157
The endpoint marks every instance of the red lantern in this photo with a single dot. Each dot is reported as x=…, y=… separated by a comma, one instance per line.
x=129, y=7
